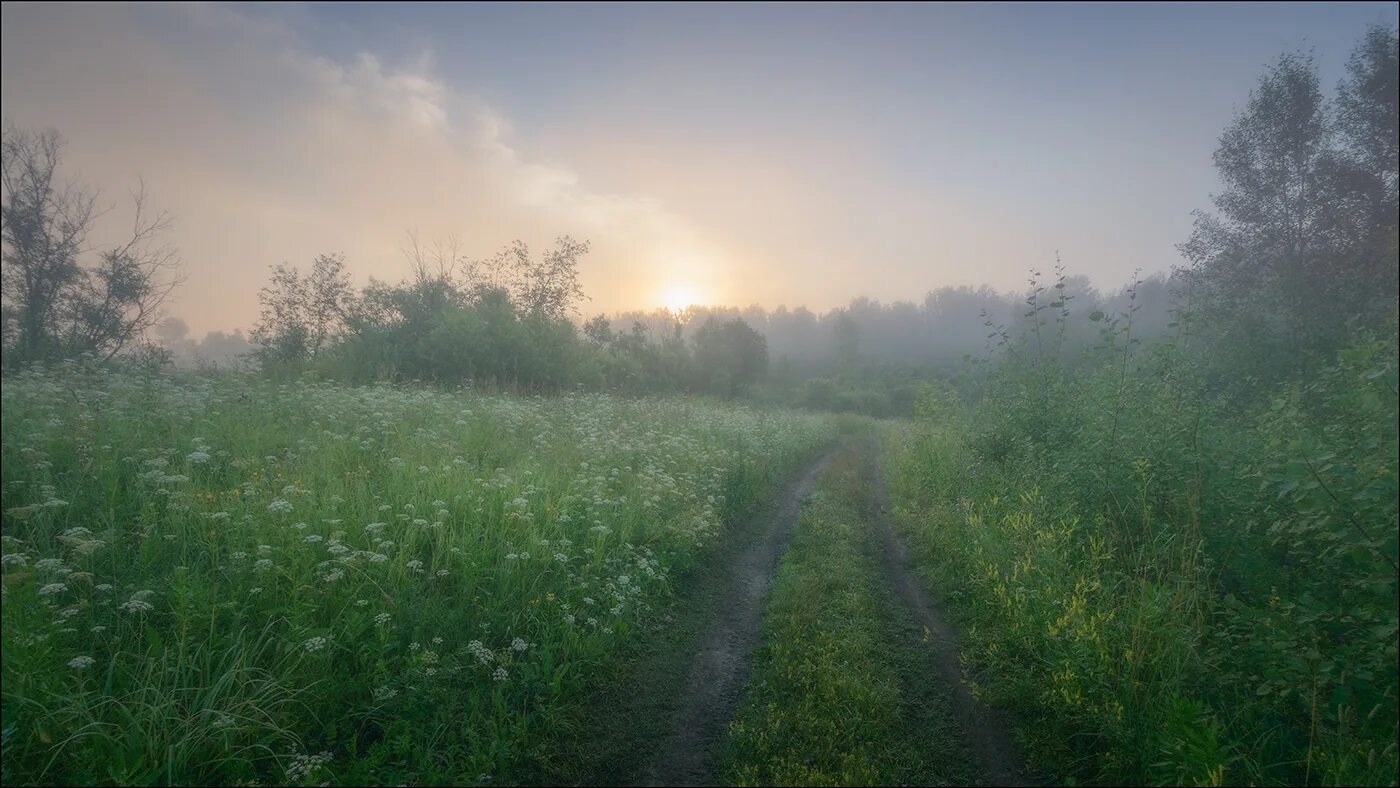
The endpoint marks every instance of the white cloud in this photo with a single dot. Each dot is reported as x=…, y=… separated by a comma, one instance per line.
x=265, y=152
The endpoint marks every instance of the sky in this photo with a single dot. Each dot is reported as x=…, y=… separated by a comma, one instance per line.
x=782, y=154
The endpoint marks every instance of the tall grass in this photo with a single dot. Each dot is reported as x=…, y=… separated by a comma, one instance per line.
x=227, y=580
x=1170, y=587
x=841, y=692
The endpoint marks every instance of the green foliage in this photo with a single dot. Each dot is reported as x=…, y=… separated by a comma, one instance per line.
x=729, y=356
x=1303, y=237
x=1122, y=546
x=1180, y=560
x=63, y=296
x=228, y=580
x=832, y=700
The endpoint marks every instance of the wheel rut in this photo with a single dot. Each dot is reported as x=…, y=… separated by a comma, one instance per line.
x=724, y=661
x=985, y=731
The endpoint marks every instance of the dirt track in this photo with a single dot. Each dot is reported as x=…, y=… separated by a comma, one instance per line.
x=723, y=663
x=987, y=736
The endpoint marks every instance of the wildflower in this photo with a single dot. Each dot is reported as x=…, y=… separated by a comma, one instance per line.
x=52, y=588
x=303, y=766
x=483, y=655
x=280, y=506
x=222, y=720
x=316, y=644
x=500, y=674
x=519, y=645
x=80, y=662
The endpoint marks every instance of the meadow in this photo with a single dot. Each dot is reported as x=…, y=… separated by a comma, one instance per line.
x=233, y=580
x=1167, y=586
x=438, y=521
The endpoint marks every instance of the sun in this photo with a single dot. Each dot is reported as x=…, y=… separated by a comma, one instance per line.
x=676, y=297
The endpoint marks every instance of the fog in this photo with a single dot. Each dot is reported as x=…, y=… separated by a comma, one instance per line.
x=700, y=394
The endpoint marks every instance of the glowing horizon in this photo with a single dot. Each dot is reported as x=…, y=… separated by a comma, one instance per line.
x=704, y=156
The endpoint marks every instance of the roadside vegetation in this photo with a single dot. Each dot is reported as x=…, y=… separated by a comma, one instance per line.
x=1177, y=563
x=221, y=581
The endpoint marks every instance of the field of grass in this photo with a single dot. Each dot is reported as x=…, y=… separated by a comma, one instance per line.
x=233, y=580
x=841, y=693
x=1168, y=588
x=236, y=580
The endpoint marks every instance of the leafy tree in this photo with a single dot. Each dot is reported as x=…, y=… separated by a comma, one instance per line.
x=547, y=287
x=599, y=330
x=301, y=315
x=282, y=332
x=1368, y=123
x=846, y=333
x=729, y=356
x=62, y=296
x=1302, y=239
x=1366, y=109
x=328, y=294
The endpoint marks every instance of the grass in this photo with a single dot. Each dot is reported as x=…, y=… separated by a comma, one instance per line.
x=841, y=692
x=231, y=580
x=1164, y=588
x=624, y=718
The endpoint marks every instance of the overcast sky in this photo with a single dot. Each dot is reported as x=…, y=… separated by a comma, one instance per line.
x=781, y=154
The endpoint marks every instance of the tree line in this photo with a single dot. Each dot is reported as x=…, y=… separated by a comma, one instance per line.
x=1299, y=249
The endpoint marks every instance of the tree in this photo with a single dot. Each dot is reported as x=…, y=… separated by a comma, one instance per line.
x=63, y=297
x=281, y=332
x=546, y=288
x=729, y=356
x=599, y=330
x=328, y=296
x=1301, y=242
x=1368, y=124
x=301, y=315
x=550, y=287
x=846, y=334
x=1367, y=114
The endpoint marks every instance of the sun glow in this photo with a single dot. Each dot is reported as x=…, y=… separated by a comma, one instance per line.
x=677, y=297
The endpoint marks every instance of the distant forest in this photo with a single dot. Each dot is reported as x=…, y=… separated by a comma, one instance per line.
x=1298, y=252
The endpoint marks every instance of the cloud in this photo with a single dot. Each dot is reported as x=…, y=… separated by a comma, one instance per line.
x=265, y=152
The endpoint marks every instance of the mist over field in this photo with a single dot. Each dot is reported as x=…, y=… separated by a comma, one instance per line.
x=744, y=394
